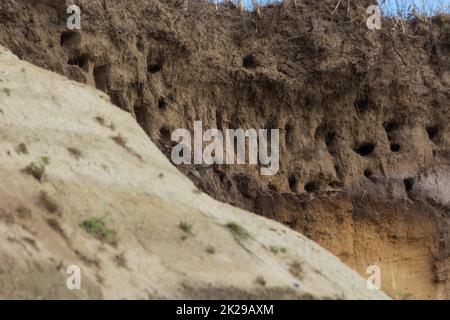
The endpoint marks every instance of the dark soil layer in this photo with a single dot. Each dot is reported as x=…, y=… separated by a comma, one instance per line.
x=364, y=140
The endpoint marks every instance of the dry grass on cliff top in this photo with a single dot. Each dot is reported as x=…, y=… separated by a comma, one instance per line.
x=399, y=8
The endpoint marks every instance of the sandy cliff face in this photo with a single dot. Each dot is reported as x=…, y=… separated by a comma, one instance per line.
x=363, y=115
x=108, y=201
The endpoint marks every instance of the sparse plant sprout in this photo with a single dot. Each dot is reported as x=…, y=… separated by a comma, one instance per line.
x=22, y=149
x=186, y=227
x=277, y=249
x=37, y=169
x=399, y=295
x=97, y=227
x=238, y=231
x=260, y=280
x=211, y=250
x=75, y=153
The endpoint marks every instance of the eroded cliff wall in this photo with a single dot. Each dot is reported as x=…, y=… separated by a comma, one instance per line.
x=365, y=142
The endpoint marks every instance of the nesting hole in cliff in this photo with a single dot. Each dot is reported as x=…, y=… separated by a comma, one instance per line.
x=272, y=123
x=141, y=113
x=435, y=104
x=362, y=102
x=165, y=132
x=224, y=179
x=249, y=61
x=391, y=126
x=433, y=133
x=339, y=171
x=100, y=77
x=289, y=134
x=308, y=101
x=395, y=147
x=69, y=38
x=80, y=61
x=365, y=149
x=155, y=63
x=162, y=103
x=293, y=183
x=330, y=139
x=368, y=173
x=335, y=184
x=312, y=186
x=154, y=67
x=409, y=184
x=219, y=119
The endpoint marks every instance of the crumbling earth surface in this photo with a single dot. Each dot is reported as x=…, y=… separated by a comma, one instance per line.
x=365, y=142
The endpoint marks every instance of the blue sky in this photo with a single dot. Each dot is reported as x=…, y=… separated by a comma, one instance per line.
x=429, y=6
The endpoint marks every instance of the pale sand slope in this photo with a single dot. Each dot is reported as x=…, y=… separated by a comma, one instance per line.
x=144, y=199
